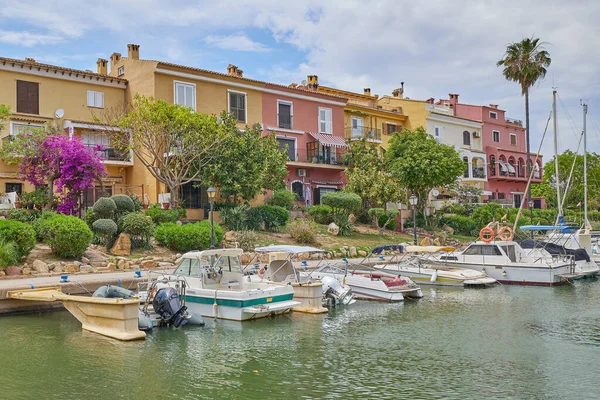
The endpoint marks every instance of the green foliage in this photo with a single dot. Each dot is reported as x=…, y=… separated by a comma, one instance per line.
x=187, y=237
x=181, y=213
x=462, y=225
x=160, y=216
x=9, y=254
x=344, y=224
x=124, y=205
x=106, y=227
x=4, y=113
x=525, y=62
x=483, y=214
x=37, y=199
x=383, y=218
x=20, y=233
x=321, y=214
x=39, y=227
x=137, y=203
x=140, y=228
x=105, y=207
x=282, y=198
x=458, y=209
x=246, y=239
x=273, y=218
x=24, y=215
x=302, y=231
x=235, y=218
x=342, y=203
x=67, y=236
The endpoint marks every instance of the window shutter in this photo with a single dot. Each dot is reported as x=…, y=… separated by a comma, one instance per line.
x=100, y=99
x=34, y=98
x=91, y=100
x=190, y=100
x=28, y=97
x=22, y=103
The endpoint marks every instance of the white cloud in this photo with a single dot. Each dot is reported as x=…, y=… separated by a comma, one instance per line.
x=28, y=39
x=236, y=42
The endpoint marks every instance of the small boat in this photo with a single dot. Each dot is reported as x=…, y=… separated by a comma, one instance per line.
x=440, y=275
x=370, y=283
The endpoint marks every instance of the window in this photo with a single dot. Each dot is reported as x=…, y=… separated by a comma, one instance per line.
x=93, y=194
x=493, y=115
x=28, y=97
x=190, y=195
x=325, y=120
x=121, y=71
x=298, y=189
x=501, y=196
x=466, y=162
x=357, y=127
x=513, y=139
x=95, y=99
x=289, y=145
x=496, y=136
x=466, y=138
x=237, y=105
x=185, y=94
x=389, y=129
x=437, y=133
x=14, y=187
x=482, y=250
x=284, y=115
x=20, y=128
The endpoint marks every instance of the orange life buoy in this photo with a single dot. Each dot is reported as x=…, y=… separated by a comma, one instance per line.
x=486, y=235
x=505, y=233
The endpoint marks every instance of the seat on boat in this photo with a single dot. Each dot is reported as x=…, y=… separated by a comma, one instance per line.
x=395, y=282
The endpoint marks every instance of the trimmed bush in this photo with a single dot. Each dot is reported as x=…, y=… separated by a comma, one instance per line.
x=124, y=204
x=273, y=217
x=187, y=237
x=9, y=254
x=282, y=198
x=235, y=218
x=140, y=228
x=321, y=214
x=302, y=231
x=67, y=236
x=39, y=227
x=344, y=224
x=342, y=202
x=105, y=207
x=105, y=229
x=462, y=225
x=160, y=216
x=20, y=233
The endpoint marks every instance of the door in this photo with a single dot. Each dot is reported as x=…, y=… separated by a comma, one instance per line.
x=357, y=127
x=517, y=200
x=316, y=196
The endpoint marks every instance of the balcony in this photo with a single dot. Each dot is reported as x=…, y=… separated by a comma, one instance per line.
x=285, y=121
x=361, y=132
x=478, y=172
x=513, y=172
x=513, y=121
x=330, y=157
x=112, y=154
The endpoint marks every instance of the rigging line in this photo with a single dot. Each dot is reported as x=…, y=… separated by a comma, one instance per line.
x=569, y=119
x=596, y=130
x=571, y=173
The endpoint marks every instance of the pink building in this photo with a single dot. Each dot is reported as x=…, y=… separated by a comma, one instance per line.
x=504, y=141
x=311, y=126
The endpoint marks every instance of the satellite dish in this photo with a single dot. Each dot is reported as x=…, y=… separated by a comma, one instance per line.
x=435, y=192
x=304, y=82
x=59, y=113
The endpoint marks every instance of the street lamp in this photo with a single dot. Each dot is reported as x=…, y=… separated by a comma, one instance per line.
x=530, y=204
x=211, y=191
x=413, y=200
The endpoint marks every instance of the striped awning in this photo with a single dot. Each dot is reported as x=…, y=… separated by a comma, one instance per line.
x=329, y=140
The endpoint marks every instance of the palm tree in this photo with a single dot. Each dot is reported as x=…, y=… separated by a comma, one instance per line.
x=525, y=62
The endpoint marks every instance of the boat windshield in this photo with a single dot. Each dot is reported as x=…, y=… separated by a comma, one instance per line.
x=509, y=249
x=193, y=266
x=482, y=250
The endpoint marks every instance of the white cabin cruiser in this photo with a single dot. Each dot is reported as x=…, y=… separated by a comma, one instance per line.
x=215, y=286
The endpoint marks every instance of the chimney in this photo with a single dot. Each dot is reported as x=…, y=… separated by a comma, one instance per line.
x=313, y=83
x=367, y=91
x=430, y=100
x=399, y=92
x=114, y=59
x=494, y=106
x=453, y=101
x=29, y=60
x=102, y=66
x=233, y=70
x=133, y=51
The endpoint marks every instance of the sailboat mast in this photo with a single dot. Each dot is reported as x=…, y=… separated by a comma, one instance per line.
x=559, y=205
x=585, y=218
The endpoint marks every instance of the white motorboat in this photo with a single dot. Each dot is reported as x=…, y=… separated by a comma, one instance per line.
x=370, y=283
x=214, y=285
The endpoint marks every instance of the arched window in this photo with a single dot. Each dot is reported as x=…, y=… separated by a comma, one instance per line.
x=492, y=166
x=511, y=166
x=521, y=168
x=503, y=166
x=466, y=138
x=298, y=188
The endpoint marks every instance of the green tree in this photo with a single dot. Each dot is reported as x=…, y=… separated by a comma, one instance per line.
x=420, y=163
x=525, y=62
x=246, y=163
x=4, y=112
x=369, y=177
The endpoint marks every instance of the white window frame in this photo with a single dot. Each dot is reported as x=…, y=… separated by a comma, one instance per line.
x=511, y=136
x=362, y=126
x=121, y=71
x=184, y=84
x=440, y=130
x=495, y=115
x=295, y=143
x=498, y=132
x=245, y=104
x=12, y=132
x=285, y=102
x=98, y=99
x=330, y=122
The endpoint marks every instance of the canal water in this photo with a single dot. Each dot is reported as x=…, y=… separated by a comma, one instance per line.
x=502, y=342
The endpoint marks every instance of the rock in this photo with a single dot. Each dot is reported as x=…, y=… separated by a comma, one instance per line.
x=353, y=251
x=98, y=264
x=122, y=264
x=178, y=261
x=85, y=260
x=102, y=269
x=329, y=256
x=40, y=267
x=111, y=266
x=315, y=256
x=71, y=268
x=148, y=264
x=2, y=273
x=53, y=266
x=26, y=271
x=134, y=266
x=333, y=229
x=436, y=242
x=448, y=229
x=12, y=271
x=58, y=268
x=362, y=253
x=352, y=218
x=425, y=242
x=230, y=236
x=122, y=246
x=86, y=269
x=178, y=222
x=94, y=255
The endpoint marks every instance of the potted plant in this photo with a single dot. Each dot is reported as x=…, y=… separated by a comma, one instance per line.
x=17, y=202
x=166, y=206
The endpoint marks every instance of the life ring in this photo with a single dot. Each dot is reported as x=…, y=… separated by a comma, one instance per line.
x=486, y=235
x=505, y=234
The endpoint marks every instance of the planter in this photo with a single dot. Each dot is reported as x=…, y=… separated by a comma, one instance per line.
x=17, y=204
x=145, y=206
x=166, y=206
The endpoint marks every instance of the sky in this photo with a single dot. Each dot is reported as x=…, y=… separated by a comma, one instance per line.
x=434, y=47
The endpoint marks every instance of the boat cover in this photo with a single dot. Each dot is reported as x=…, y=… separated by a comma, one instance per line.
x=289, y=249
x=379, y=249
x=553, y=248
x=567, y=228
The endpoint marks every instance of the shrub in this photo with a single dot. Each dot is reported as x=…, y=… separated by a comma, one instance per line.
x=382, y=218
x=273, y=217
x=160, y=216
x=106, y=229
x=39, y=227
x=302, y=231
x=235, y=218
x=20, y=233
x=344, y=224
x=342, y=202
x=321, y=214
x=187, y=237
x=9, y=254
x=67, y=236
x=105, y=207
x=24, y=215
x=462, y=225
x=124, y=205
x=246, y=239
x=181, y=213
x=37, y=199
x=140, y=228
x=282, y=198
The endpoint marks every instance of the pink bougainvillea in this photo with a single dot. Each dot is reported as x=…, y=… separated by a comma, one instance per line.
x=65, y=162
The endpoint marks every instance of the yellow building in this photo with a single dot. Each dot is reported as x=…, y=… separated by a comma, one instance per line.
x=68, y=99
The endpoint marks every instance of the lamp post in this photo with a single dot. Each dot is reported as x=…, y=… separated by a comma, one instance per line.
x=211, y=191
x=530, y=204
x=413, y=200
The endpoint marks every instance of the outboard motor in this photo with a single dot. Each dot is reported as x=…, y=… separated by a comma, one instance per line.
x=166, y=304
x=333, y=289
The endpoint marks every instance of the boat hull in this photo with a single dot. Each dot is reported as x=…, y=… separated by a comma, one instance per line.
x=424, y=276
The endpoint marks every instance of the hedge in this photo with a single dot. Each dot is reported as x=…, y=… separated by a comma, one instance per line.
x=160, y=216
x=20, y=233
x=187, y=237
x=321, y=214
x=67, y=236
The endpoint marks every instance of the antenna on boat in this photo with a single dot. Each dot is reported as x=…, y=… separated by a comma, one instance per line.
x=560, y=212
x=585, y=218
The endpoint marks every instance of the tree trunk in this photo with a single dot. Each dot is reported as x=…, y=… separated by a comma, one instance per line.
x=172, y=199
x=50, y=193
x=528, y=142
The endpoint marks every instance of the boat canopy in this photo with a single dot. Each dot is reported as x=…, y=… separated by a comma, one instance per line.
x=553, y=248
x=379, y=249
x=562, y=228
x=289, y=249
x=429, y=249
x=214, y=252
